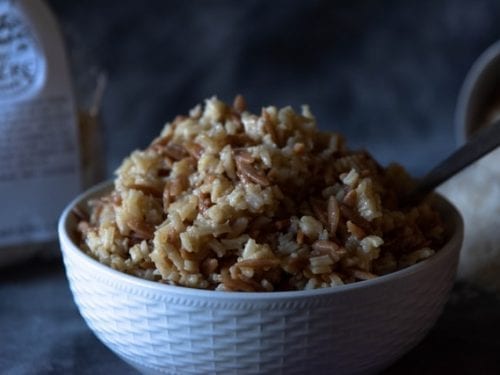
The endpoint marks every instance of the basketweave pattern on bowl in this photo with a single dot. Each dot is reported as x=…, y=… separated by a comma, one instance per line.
x=172, y=334
x=353, y=329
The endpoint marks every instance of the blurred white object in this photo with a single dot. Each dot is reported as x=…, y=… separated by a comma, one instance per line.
x=357, y=328
x=476, y=193
x=476, y=190
x=39, y=145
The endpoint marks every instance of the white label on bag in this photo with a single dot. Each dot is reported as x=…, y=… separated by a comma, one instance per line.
x=21, y=66
x=39, y=152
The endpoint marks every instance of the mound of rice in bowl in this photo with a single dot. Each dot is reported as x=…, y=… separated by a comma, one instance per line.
x=229, y=200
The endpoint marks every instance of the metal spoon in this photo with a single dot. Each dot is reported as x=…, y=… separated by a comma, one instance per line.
x=485, y=140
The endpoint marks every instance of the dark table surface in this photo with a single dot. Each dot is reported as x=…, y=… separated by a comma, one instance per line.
x=41, y=331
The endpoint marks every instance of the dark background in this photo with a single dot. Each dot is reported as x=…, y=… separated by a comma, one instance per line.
x=384, y=73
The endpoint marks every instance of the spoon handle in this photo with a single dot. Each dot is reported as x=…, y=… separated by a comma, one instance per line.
x=485, y=140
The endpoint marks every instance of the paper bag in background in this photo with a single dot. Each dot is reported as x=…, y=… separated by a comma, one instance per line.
x=40, y=141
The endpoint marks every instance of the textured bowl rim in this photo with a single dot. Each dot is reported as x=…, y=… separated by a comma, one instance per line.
x=68, y=246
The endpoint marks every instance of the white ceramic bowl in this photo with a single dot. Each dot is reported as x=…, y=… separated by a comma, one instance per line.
x=478, y=94
x=357, y=328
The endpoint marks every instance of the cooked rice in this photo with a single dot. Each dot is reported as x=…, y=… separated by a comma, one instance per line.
x=228, y=200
